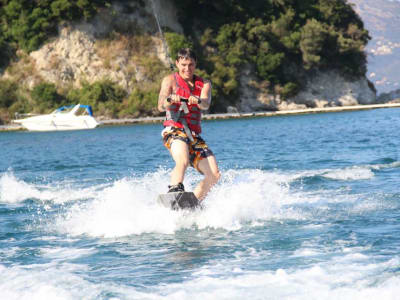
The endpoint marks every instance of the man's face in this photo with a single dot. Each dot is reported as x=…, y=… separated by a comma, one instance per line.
x=186, y=67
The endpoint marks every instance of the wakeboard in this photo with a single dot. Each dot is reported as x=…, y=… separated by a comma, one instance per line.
x=179, y=200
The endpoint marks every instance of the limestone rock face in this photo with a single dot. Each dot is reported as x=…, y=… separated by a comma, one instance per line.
x=322, y=89
x=71, y=56
x=254, y=97
x=77, y=54
x=329, y=88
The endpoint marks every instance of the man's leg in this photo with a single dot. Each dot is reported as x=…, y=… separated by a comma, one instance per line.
x=208, y=166
x=180, y=153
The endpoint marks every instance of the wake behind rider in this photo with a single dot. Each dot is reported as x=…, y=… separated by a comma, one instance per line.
x=181, y=135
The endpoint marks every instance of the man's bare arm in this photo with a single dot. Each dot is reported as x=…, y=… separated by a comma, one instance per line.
x=205, y=95
x=165, y=91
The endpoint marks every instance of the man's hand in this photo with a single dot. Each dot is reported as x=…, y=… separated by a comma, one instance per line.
x=193, y=100
x=174, y=98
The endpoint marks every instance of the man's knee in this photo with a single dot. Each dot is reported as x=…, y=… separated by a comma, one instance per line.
x=217, y=176
x=213, y=177
x=183, y=163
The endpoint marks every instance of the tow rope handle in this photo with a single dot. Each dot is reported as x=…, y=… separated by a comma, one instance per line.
x=184, y=103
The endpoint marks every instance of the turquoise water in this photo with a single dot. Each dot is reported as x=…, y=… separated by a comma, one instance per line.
x=307, y=208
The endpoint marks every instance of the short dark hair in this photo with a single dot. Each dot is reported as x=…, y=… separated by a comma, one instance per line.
x=186, y=53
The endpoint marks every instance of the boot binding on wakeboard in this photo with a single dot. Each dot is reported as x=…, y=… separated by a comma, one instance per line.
x=176, y=188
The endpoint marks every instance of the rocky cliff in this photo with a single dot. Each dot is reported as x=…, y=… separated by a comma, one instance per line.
x=92, y=51
x=115, y=45
x=322, y=89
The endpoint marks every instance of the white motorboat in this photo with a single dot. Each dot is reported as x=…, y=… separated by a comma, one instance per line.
x=64, y=118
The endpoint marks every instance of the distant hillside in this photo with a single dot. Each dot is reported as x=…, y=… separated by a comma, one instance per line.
x=382, y=19
x=260, y=55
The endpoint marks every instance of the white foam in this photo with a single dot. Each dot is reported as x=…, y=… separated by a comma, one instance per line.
x=242, y=197
x=129, y=205
x=351, y=276
x=362, y=172
x=62, y=253
x=351, y=173
x=56, y=282
x=245, y=196
x=14, y=190
x=306, y=252
x=395, y=164
x=8, y=251
x=339, y=280
x=345, y=174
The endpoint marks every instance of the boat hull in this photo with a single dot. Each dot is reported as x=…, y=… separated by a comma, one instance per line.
x=58, y=123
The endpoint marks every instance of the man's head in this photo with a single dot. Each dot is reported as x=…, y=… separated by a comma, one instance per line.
x=186, y=63
x=186, y=53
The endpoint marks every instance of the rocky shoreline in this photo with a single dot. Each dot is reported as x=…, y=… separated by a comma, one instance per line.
x=149, y=120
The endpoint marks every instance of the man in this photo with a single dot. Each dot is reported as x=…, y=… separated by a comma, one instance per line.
x=182, y=125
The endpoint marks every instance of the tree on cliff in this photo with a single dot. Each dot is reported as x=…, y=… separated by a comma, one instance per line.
x=28, y=24
x=275, y=36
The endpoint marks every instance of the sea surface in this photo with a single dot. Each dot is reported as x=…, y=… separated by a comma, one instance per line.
x=308, y=207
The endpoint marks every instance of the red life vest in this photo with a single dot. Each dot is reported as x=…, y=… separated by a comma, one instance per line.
x=193, y=118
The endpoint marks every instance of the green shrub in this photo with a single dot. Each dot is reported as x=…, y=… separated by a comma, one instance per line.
x=8, y=93
x=176, y=41
x=268, y=63
x=289, y=89
x=11, y=101
x=46, y=96
x=139, y=103
x=152, y=69
x=105, y=97
x=5, y=52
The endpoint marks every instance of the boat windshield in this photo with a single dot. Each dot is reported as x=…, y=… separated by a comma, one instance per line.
x=79, y=109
